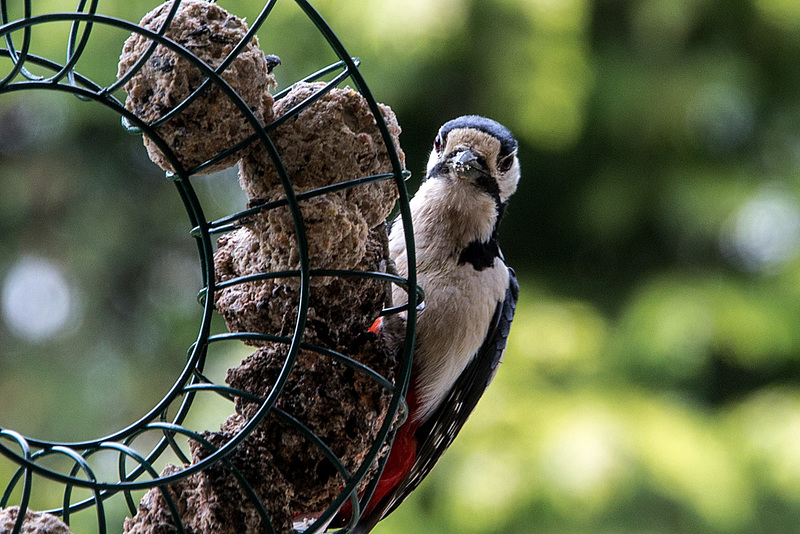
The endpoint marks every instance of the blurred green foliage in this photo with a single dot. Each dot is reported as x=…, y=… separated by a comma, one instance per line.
x=651, y=381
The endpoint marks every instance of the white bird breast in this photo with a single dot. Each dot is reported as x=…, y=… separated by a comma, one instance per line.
x=459, y=300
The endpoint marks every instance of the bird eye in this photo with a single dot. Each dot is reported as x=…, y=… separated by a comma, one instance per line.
x=437, y=143
x=505, y=163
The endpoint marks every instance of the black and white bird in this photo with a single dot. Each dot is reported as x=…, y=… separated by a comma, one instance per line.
x=470, y=297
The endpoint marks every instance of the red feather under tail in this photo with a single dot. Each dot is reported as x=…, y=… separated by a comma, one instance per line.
x=401, y=457
x=399, y=463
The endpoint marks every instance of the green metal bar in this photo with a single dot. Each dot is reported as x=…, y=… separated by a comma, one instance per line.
x=83, y=465
x=333, y=67
x=337, y=356
x=26, y=483
x=18, y=58
x=402, y=282
x=246, y=487
x=271, y=126
x=125, y=452
x=224, y=224
x=178, y=419
x=225, y=391
x=55, y=67
x=191, y=380
x=125, y=78
x=186, y=102
x=313, y=438
x=74, y=52
x=405, y=212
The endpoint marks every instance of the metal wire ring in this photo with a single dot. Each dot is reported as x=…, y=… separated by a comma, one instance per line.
x=191, y=380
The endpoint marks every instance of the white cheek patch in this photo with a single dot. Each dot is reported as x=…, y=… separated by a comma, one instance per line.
x=433, y=159
x=508, y=182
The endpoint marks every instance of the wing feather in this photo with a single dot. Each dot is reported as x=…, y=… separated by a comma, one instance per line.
x=438, y=432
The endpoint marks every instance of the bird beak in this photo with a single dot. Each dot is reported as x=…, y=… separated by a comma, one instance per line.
x=467, y=163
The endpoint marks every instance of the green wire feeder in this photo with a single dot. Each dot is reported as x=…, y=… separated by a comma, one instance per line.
x=307, y=340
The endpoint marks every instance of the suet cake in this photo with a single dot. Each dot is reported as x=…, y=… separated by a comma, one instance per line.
x=334, y=140
x=34, y=522
x=213, y=122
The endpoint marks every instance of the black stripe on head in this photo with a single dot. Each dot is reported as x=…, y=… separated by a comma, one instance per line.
x=507, y=142
x=489, y=185
x=440, y=169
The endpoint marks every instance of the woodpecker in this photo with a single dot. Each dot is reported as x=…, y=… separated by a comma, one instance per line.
x=470, y=297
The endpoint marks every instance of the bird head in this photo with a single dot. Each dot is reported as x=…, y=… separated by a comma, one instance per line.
x=479, y=152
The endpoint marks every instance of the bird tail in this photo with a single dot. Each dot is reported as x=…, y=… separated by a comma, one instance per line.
x=366, y=524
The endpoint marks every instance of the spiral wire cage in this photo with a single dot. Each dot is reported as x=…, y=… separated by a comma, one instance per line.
x=135, y=470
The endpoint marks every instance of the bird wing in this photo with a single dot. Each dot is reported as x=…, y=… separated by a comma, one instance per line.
x=438, y=432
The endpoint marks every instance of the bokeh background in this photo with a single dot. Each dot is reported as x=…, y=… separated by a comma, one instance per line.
x=652, y=381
